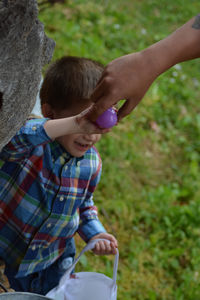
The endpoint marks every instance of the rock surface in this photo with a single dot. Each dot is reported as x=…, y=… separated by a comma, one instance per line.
x=24, y=50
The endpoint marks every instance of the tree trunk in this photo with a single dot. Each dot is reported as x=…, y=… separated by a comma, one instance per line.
x=24, y=50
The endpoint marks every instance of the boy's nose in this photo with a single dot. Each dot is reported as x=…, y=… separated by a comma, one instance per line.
x=90, y=137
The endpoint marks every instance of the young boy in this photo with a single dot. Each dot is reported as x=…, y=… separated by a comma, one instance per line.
x=48, y=173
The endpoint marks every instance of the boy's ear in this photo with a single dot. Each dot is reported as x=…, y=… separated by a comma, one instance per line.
x=47, y=111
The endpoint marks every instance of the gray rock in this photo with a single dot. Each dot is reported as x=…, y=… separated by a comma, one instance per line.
x=24, y=50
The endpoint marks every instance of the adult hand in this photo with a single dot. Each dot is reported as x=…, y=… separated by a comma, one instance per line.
x=127, y=77
x=86, y=126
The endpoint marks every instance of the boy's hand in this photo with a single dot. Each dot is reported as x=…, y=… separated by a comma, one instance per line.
x=86, y=126
x=105, y=247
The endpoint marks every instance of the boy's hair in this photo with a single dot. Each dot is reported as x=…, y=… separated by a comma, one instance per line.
x=70, y=79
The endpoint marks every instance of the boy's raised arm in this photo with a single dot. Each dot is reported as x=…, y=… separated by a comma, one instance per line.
x=71, y=125
x=59, y=127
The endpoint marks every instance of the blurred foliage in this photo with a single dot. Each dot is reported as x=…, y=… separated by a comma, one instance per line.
x=149, y=194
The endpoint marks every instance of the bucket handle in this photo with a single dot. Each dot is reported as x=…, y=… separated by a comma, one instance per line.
x=90, y=246
x=3, y=287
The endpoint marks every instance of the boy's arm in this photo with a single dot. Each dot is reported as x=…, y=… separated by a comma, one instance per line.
x=59, y=127
x=90, y=225
x=29, y=136
x=36, y=132
x=76, y=124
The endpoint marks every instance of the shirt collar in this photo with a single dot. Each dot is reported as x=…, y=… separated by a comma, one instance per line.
x=57, y=151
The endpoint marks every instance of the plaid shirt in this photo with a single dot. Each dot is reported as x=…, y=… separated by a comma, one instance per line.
x=43, y=192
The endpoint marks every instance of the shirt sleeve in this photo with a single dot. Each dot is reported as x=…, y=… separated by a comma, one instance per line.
x=89, y=222
x=30, y=135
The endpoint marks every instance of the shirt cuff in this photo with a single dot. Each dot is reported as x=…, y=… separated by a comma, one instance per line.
x=90, y=229
x=35, y=131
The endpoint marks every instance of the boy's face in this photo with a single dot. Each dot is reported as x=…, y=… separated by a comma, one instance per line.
x=76, y=144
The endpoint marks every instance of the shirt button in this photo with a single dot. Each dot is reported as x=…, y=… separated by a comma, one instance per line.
x=33, y=247
x=49, y=225
x=34, y=128
x=62, y=160
x=66, y=167
x=78, y=163
x=61, y=198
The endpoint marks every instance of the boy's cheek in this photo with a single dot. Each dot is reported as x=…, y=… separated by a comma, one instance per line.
x=98, y=137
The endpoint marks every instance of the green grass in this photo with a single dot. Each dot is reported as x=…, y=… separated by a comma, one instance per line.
x=149, y=194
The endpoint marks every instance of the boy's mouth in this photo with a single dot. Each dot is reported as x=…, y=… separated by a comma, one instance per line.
x=83, y=147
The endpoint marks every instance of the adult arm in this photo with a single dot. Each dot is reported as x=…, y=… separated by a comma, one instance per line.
x=130, y=76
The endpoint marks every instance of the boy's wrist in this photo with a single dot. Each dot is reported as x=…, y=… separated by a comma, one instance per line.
x=60, y=127
x=74, y=125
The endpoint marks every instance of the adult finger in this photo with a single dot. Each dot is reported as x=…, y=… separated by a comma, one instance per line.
x=126, y=108
x=99, y=91
x=102, y=105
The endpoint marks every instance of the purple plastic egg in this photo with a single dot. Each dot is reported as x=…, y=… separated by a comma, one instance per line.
x=108, y=118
